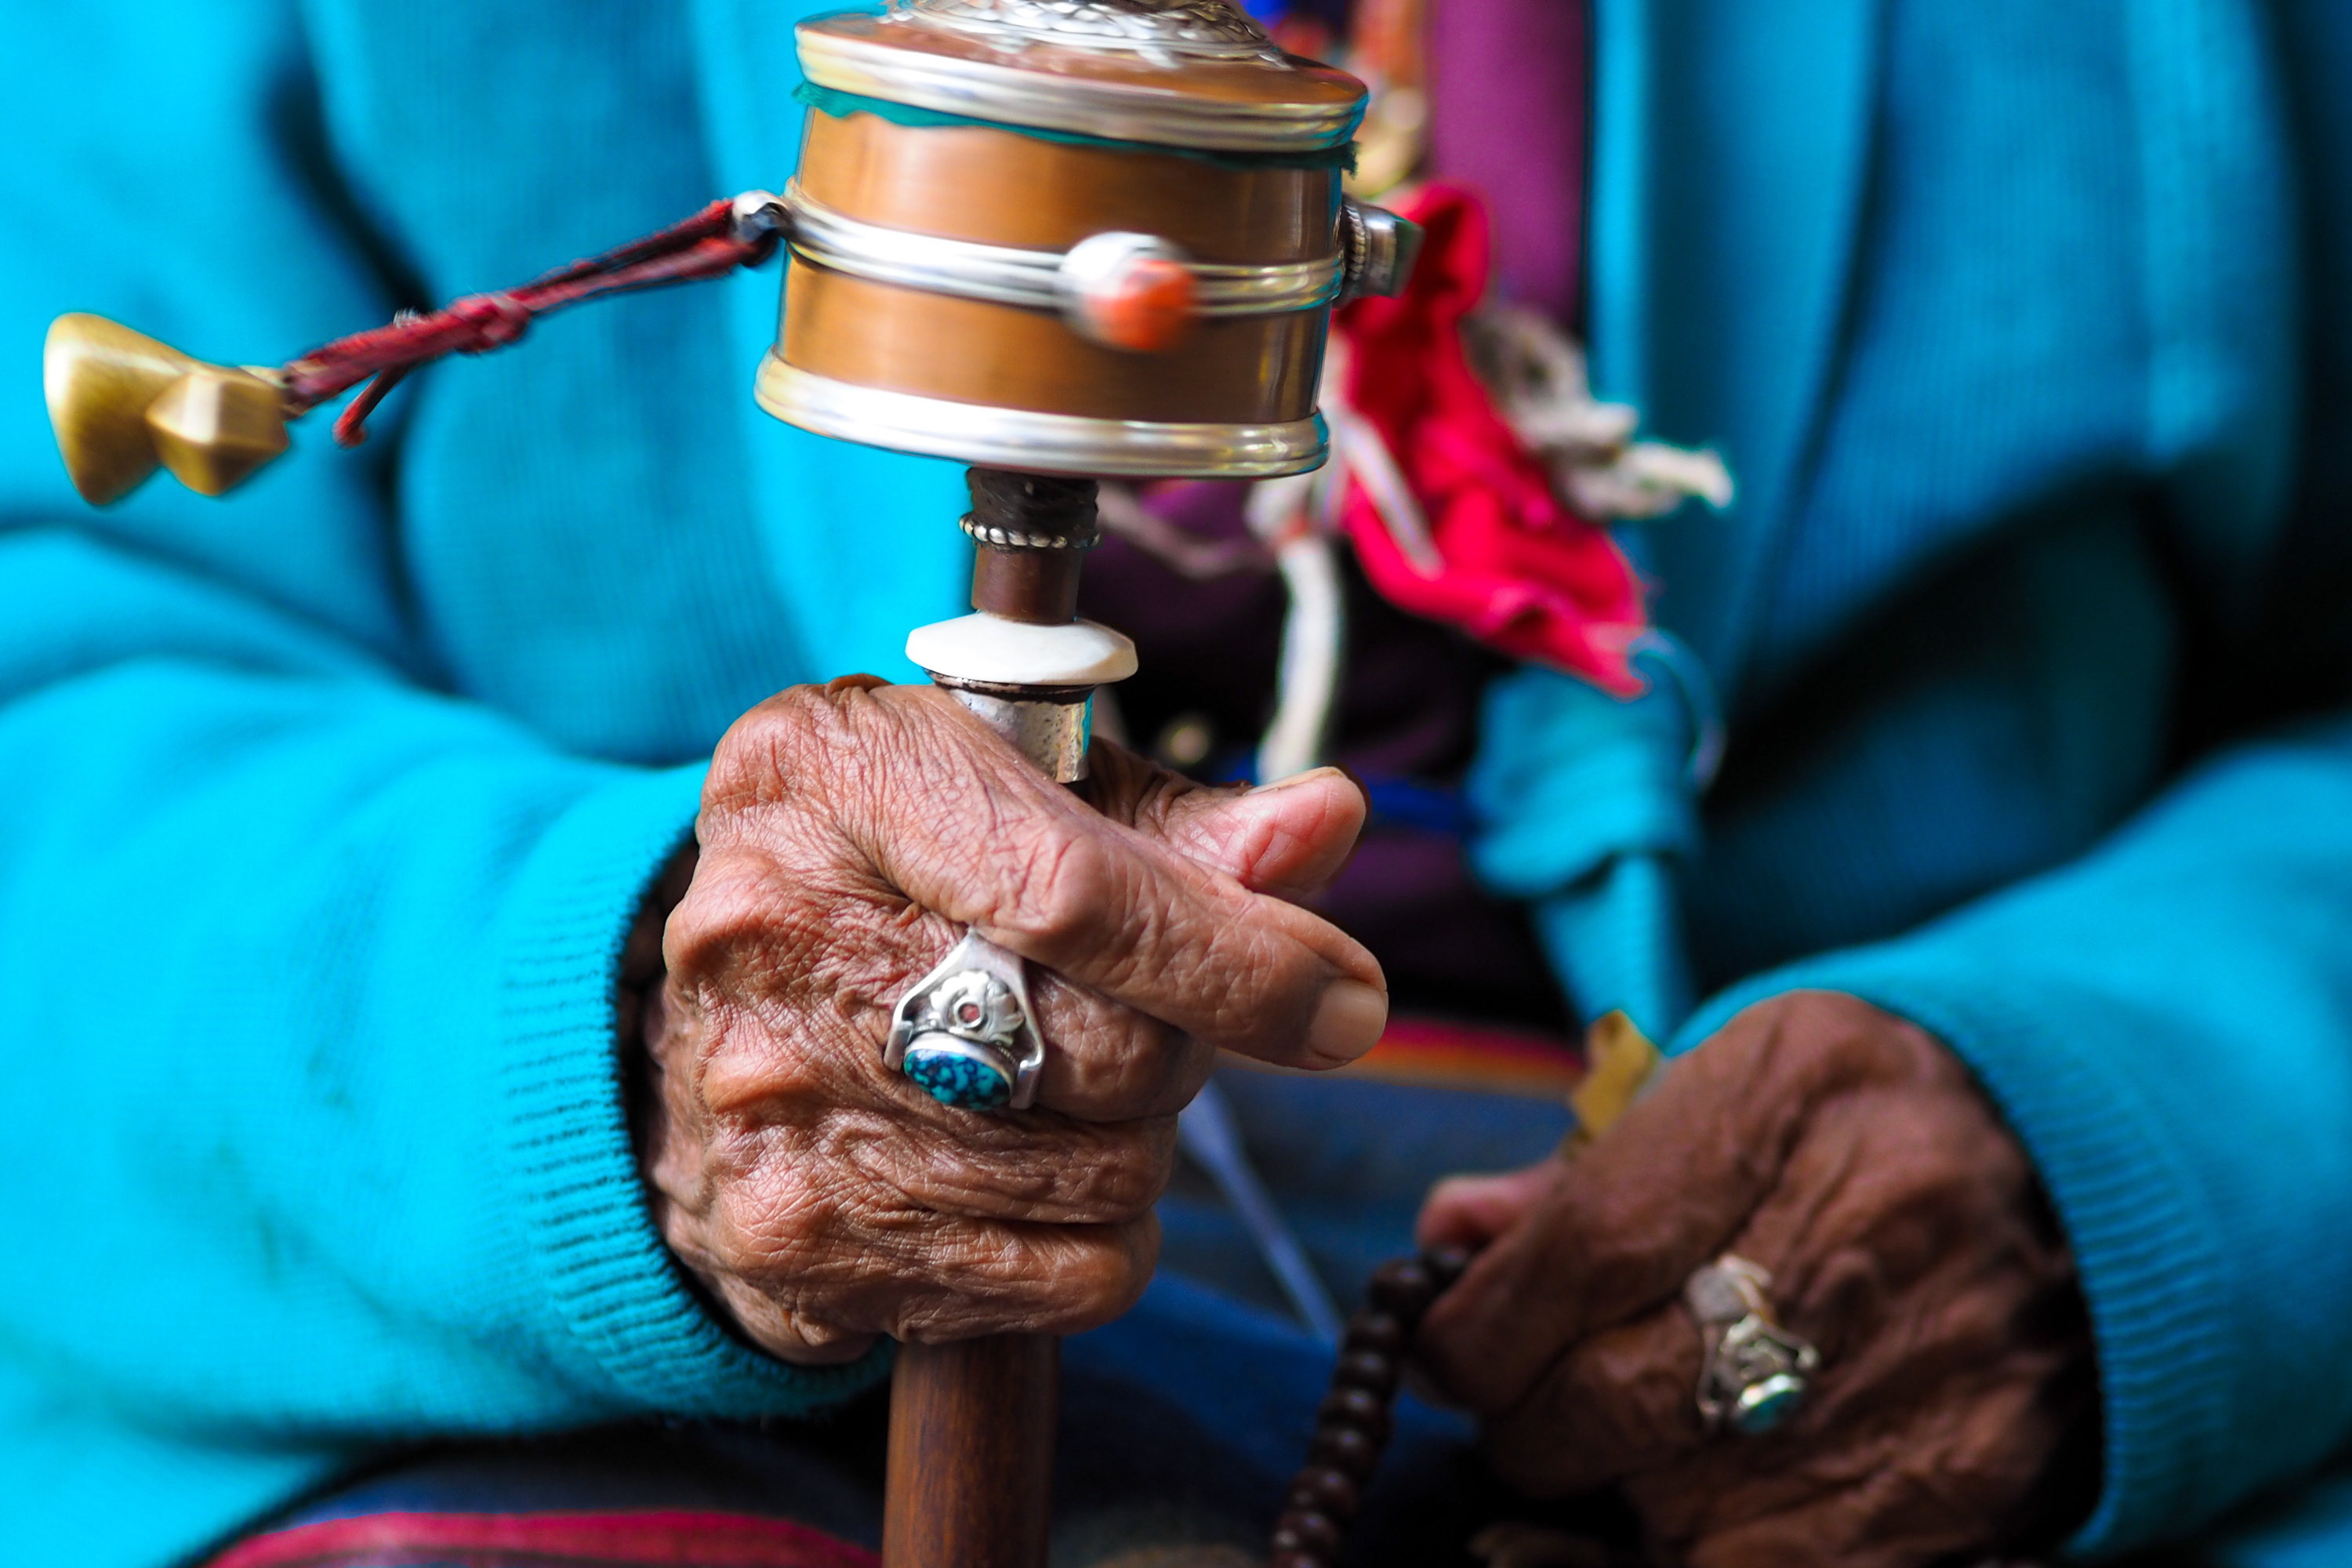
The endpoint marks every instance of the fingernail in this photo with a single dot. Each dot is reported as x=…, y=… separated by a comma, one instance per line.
x=1310, y=776
x=1347, y=1021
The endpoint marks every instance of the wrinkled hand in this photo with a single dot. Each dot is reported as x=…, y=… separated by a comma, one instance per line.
x=847, y=833
x=1848, y=1153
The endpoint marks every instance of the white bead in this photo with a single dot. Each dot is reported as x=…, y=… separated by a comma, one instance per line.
x=982, y=647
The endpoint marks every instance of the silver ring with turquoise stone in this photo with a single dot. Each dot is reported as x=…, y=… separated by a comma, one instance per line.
x=964, y=1032
x=1757, y=1373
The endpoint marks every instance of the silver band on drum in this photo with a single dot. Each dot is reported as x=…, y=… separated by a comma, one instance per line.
x=1005, y=275
x=1034, y=442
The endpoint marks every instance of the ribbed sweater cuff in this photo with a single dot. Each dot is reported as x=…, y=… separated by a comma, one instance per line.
x=567, y=1158
x=2059, y=1068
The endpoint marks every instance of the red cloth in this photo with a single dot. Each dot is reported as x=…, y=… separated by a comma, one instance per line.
x=1521, y=572
x=658, y=1539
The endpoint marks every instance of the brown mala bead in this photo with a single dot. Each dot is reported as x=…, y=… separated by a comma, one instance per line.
x=1348, y=1449
x=1367, y=1369
x=1446, y=1265
x=1331, y=1493
x=1353, y=1424
x=1405, y=1286
x=1357, y=1408
x=1303, y=1530
x=1375, y=1331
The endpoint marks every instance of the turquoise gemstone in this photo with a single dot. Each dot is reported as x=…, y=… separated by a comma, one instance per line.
x=953, y=1078
x=1769, y=1403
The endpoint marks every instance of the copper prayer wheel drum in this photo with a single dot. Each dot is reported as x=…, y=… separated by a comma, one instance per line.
x=1083, y=236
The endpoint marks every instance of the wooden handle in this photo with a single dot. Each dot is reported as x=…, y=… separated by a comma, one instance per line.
x=971, y=1482
x=971, y=1453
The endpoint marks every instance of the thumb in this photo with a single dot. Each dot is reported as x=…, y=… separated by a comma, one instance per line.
x=1289, y=838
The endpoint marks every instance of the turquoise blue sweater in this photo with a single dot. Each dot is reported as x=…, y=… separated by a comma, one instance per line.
x=2025, y=327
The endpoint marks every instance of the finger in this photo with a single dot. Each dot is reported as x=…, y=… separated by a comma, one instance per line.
x=1288, y=839
x=1032, y=1170
x=1034, y=1280
x=845, y=1218
x=1892, y=1186
x=1666, y=1192
x=933, y=1280
x=1106, y=1062
x=1887, y=1185
x=821, y=1227
x=1238, y=970
x=1624, y=1401
x=989, y=844
x=1469, y=1211
x=1621, y=1403
x=840, y=1110
x=1285, y=839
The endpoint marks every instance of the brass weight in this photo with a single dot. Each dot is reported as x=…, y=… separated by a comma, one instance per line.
x=122, y=404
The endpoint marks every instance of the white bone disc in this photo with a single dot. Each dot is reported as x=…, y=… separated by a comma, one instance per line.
x=982, y=647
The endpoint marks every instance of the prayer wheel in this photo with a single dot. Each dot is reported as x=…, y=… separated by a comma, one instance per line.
x=1069, y=236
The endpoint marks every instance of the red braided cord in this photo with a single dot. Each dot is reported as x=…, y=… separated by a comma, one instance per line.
x=704, y=246
x=350, y=425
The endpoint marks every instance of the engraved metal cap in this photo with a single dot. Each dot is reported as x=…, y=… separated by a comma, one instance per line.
x=1182, y=73
x=1168, y=31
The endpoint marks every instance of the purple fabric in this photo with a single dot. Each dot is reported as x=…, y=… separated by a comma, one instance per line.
x=1508, y=116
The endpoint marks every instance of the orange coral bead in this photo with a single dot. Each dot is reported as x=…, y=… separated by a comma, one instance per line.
x=1147, y=307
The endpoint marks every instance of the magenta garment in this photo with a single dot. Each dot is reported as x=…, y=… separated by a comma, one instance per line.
x=1508, y=117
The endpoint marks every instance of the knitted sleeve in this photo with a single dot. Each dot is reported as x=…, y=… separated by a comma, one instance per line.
x=311, y=1141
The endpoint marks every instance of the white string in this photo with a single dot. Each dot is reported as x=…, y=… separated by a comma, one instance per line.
x=1536, y=374
x=1358, y=452
x=1210, y=1136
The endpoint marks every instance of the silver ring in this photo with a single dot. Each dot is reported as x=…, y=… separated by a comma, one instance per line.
x=964, y=1032
x=1757, y=1373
